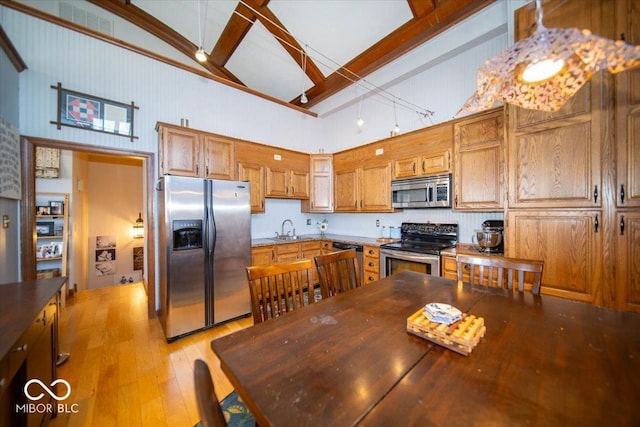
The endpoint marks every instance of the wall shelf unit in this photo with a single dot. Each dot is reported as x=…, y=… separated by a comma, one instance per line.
x=52, y=234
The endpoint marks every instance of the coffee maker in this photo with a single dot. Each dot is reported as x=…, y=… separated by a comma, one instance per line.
x=494, y=226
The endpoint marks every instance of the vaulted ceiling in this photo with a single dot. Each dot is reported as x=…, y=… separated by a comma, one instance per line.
x=278, y=48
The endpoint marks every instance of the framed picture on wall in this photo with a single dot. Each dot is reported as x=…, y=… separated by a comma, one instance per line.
x=44, y=228
x=57, y=207
x=43, y=210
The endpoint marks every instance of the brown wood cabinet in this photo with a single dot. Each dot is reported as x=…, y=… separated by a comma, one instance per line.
x=562, y=175
x=570, y=244
x=285, y=183
x=29, y=350
x=254, y=173
x=479, y=162
x=262, y=255
x=371, y=260
x=189, y=152
x=419, y=165
x=285, y=173
x=286, y=252
x=626, y=191
x=321, y=184
x=627, y=256
x=363, y=189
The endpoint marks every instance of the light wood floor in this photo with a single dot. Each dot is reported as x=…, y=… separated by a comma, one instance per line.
x=122, y=371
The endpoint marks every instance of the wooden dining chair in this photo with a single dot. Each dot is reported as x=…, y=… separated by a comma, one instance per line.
x=491, y=270
x=211, y=414
x=277, y=289
x=338, y=271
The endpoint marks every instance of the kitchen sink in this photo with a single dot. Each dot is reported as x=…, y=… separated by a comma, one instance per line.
x=288, y=238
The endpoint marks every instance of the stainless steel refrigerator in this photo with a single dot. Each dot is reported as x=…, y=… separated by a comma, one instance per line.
x=205, y=245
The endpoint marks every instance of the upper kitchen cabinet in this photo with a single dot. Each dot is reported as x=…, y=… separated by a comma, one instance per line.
x=423, y=152
x=479, y=162
x=254, y=173
x=628, y=111
x=555, y=157
x=286, y=172
x=362, y=180
x=188, y=152
x=321, y=184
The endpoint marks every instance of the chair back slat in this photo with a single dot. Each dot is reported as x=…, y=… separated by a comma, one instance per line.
x=477, y=264
x=277, y=289
x=338, y=272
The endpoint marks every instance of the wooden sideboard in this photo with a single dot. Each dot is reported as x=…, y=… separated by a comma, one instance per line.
x=28, y=349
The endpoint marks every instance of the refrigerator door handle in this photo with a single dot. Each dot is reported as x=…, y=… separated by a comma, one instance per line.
x=210, y=227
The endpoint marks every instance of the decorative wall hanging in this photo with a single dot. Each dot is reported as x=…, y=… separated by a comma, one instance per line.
x=10, y=182
x=572, y=56
x=47, y=162
x=89, y=112
x=105, y=255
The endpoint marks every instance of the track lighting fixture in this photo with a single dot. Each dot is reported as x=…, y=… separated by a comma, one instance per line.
x=396, y=129
x=201, y=56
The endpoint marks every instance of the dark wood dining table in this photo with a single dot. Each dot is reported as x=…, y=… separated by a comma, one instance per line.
x=349, y=360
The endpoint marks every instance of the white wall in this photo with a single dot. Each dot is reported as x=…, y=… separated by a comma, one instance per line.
x=9, y=237
x=114, y=198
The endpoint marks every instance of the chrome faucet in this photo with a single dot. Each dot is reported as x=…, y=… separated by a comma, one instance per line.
x=282, y=230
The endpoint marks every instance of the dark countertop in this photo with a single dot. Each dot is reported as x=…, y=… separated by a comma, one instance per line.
x=20, y=303
x=371, y=241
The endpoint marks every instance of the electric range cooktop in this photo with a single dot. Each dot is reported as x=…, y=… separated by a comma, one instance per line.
x=426, y=238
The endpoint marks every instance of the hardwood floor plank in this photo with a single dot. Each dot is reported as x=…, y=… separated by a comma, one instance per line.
x=121, y=369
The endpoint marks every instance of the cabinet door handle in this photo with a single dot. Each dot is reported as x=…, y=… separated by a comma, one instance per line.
x=622, y=225
x=595, y=194
x=197, y=170
x=621, y=193
x=206, y=170
x=456, y=200
x=596, y=224
x=424, y=167
x=413, y=167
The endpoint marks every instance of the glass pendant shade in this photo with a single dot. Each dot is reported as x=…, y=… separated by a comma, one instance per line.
x=574, y=54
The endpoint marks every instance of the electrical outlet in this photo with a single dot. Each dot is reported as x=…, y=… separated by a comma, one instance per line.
x=377, y=223
x=308, y=221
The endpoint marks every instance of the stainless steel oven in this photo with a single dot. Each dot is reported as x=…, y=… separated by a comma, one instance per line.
x=392, y=261
x=418, y=249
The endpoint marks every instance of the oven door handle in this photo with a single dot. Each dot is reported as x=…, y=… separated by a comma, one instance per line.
x=409, y=257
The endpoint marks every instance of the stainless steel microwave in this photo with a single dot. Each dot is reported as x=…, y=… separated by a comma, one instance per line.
x=426, y=192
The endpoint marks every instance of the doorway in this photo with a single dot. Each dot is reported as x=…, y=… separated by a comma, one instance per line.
x=28, y=206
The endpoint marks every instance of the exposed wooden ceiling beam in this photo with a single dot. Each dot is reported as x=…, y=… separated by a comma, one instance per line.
x=288, y=42
x=36, y=13
x=407, y=37
x=142, y=19
x=420, y=8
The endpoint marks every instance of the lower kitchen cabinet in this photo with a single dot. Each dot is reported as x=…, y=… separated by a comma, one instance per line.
x=262, y=255
x=371, y=260
x=449, y=267
x=627, y=256
x=569, y=243
x=287, y=252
